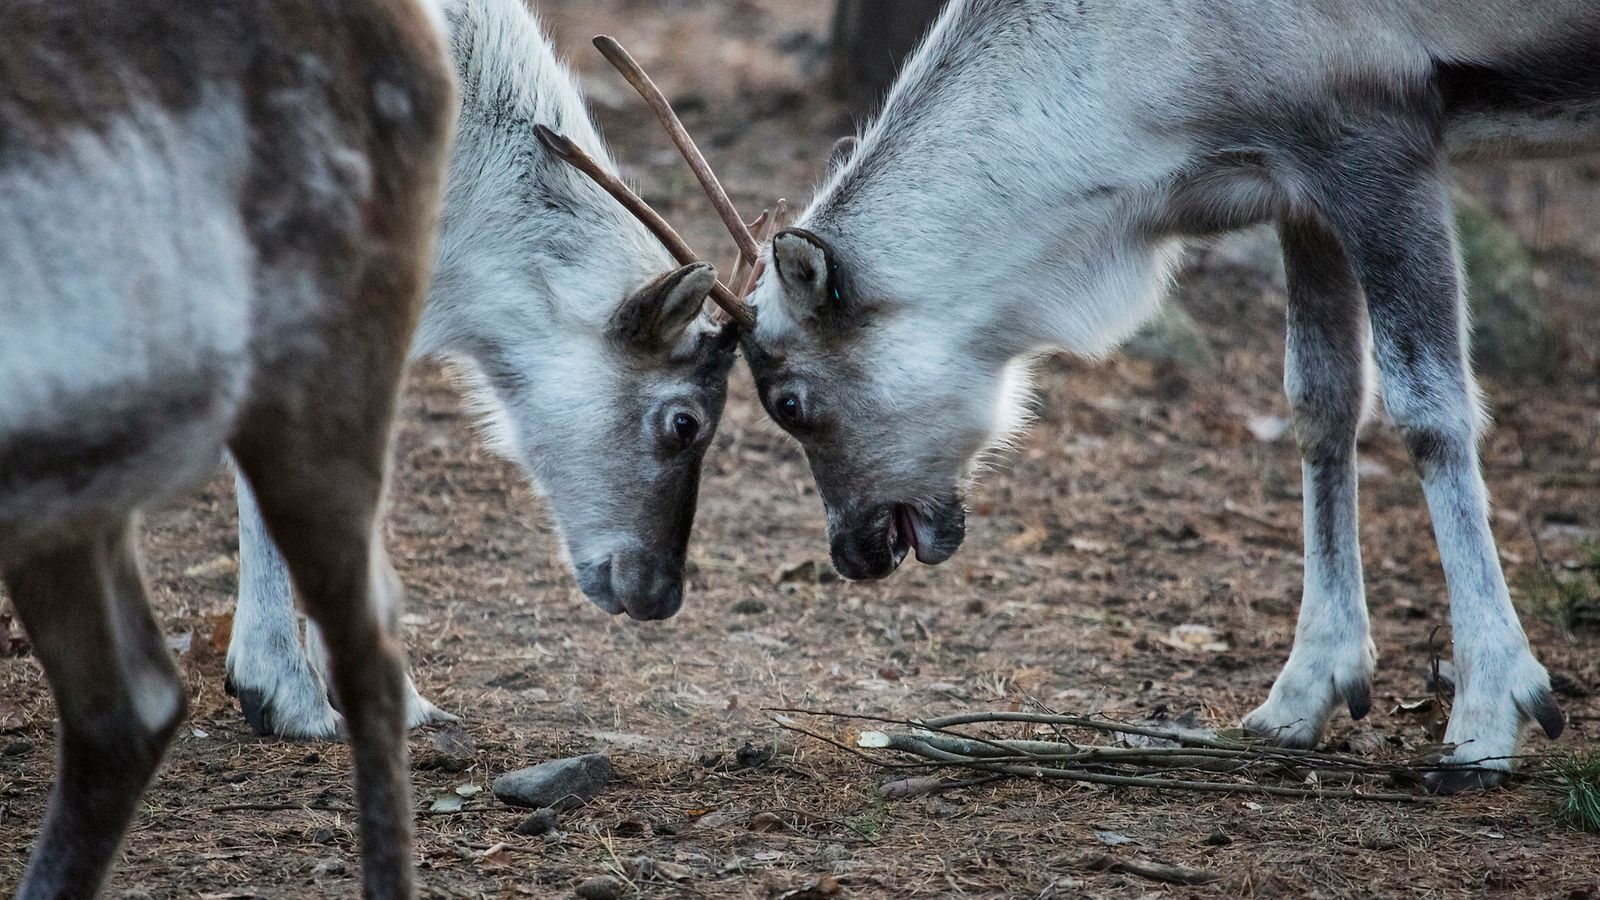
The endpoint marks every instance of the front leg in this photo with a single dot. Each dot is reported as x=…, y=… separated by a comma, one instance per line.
x=281, y=680
x=1395, y=222
x=1325, y=376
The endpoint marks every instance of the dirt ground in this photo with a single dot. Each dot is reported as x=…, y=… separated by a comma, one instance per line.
x=1140, y=502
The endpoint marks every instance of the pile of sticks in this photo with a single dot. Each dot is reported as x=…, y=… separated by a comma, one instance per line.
x=1095, y=750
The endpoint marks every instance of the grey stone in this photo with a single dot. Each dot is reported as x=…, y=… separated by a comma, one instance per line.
x=560, y=784
x=600, y=887
x=543, y=821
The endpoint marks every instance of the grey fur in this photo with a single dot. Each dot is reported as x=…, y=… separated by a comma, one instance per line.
x=1030, y=185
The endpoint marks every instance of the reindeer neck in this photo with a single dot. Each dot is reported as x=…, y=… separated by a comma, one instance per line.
x=530, y=251
x=1004, y=183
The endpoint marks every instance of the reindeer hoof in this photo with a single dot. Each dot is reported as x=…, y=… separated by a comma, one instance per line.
x=1548, y=714
x=1461, y=781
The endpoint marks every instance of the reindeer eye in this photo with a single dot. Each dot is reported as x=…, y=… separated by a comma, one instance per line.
x=685, y=428
x=789, y=409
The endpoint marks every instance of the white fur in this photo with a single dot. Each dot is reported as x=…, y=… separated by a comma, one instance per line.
x=73, y=361
x=522, y=294
x=1027, y=188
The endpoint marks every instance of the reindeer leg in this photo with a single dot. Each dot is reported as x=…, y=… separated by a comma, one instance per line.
x=279, y=690
x=1325, y=376
x=321, y=502
x=281, y=682
x=1392, y=213
x=119, y=697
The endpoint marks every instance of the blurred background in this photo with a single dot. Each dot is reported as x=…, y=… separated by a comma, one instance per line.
x=1139, y=555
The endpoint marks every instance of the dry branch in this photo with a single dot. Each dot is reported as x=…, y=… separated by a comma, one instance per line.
x=1248, y=767
x=624, y=62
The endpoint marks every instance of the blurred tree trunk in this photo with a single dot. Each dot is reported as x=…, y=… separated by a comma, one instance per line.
x=871, y=39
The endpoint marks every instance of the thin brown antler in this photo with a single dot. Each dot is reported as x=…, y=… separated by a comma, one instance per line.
x=744, y=281
x=741, y=265
x=624, y=62
x=574, y=155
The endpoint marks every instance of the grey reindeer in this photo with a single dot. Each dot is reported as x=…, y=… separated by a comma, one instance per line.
x=216, y=225
x=577, y=332
x=1029, y=186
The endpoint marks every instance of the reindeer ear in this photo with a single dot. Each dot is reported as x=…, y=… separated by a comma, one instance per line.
x=657, y=315
x=843, y=149
x=805, y=267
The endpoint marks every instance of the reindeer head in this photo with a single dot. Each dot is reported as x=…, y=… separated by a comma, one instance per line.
x=617, y=437
x=892, y=410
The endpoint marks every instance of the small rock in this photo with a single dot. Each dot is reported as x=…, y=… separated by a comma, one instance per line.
x=749, y=606
x=1268, y=429
x=1368, y=743
x=542, y=821
x=328, y=868
x=322, y=836
x=751, y=756
x=600, y=887
x=1218, y=839
x=560, y=783
x=17, y=748
x=768, y=822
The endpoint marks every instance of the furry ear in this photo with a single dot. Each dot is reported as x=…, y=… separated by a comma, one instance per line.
x=657, y=315
x=805, y=268
x=843, y=149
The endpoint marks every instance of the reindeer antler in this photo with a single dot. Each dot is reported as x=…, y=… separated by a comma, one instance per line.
x=572, y=154
x=618, y=56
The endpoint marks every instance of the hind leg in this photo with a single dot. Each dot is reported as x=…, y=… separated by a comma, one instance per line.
x=1395, y=223
x=280, y=678
x=321, y=500
x=118, y=695
x=1325, y=376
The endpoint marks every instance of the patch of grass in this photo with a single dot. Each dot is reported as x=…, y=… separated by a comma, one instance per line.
x=1576, y=780
x=870, y=822
x=1569, y=599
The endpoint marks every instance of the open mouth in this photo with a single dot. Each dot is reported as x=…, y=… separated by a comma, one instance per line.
x=903, y=532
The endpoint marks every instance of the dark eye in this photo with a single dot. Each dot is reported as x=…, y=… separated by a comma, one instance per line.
x=789, y=410
x=685, y=428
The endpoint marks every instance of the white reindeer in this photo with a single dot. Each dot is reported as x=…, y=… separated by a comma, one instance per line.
x=603, y=379
x=1030, y=185
x=216, y=225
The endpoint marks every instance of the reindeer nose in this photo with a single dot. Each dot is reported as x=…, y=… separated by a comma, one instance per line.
x=648, y=588
x=862, y=554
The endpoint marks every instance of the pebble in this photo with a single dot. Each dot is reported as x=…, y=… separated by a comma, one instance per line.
x=541, y=822
x=600, y=887
x=560, y=784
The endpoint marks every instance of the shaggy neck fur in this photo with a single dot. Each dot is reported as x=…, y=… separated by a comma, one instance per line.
x=530, y=248
x=534, y=258
x=1001, y=184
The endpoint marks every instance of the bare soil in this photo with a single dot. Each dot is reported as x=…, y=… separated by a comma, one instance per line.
x=1139, y=502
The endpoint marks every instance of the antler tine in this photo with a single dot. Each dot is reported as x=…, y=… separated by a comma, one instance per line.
x=745, y=281
x=741, y=265
x=574, y=155
x=624, y=62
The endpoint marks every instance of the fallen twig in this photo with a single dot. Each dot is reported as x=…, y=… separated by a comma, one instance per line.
x=1146, y=868
x=1248, y=767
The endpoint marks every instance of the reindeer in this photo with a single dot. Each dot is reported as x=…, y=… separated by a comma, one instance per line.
x=1030, y=185
x=218, y=221
x=601, y=376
